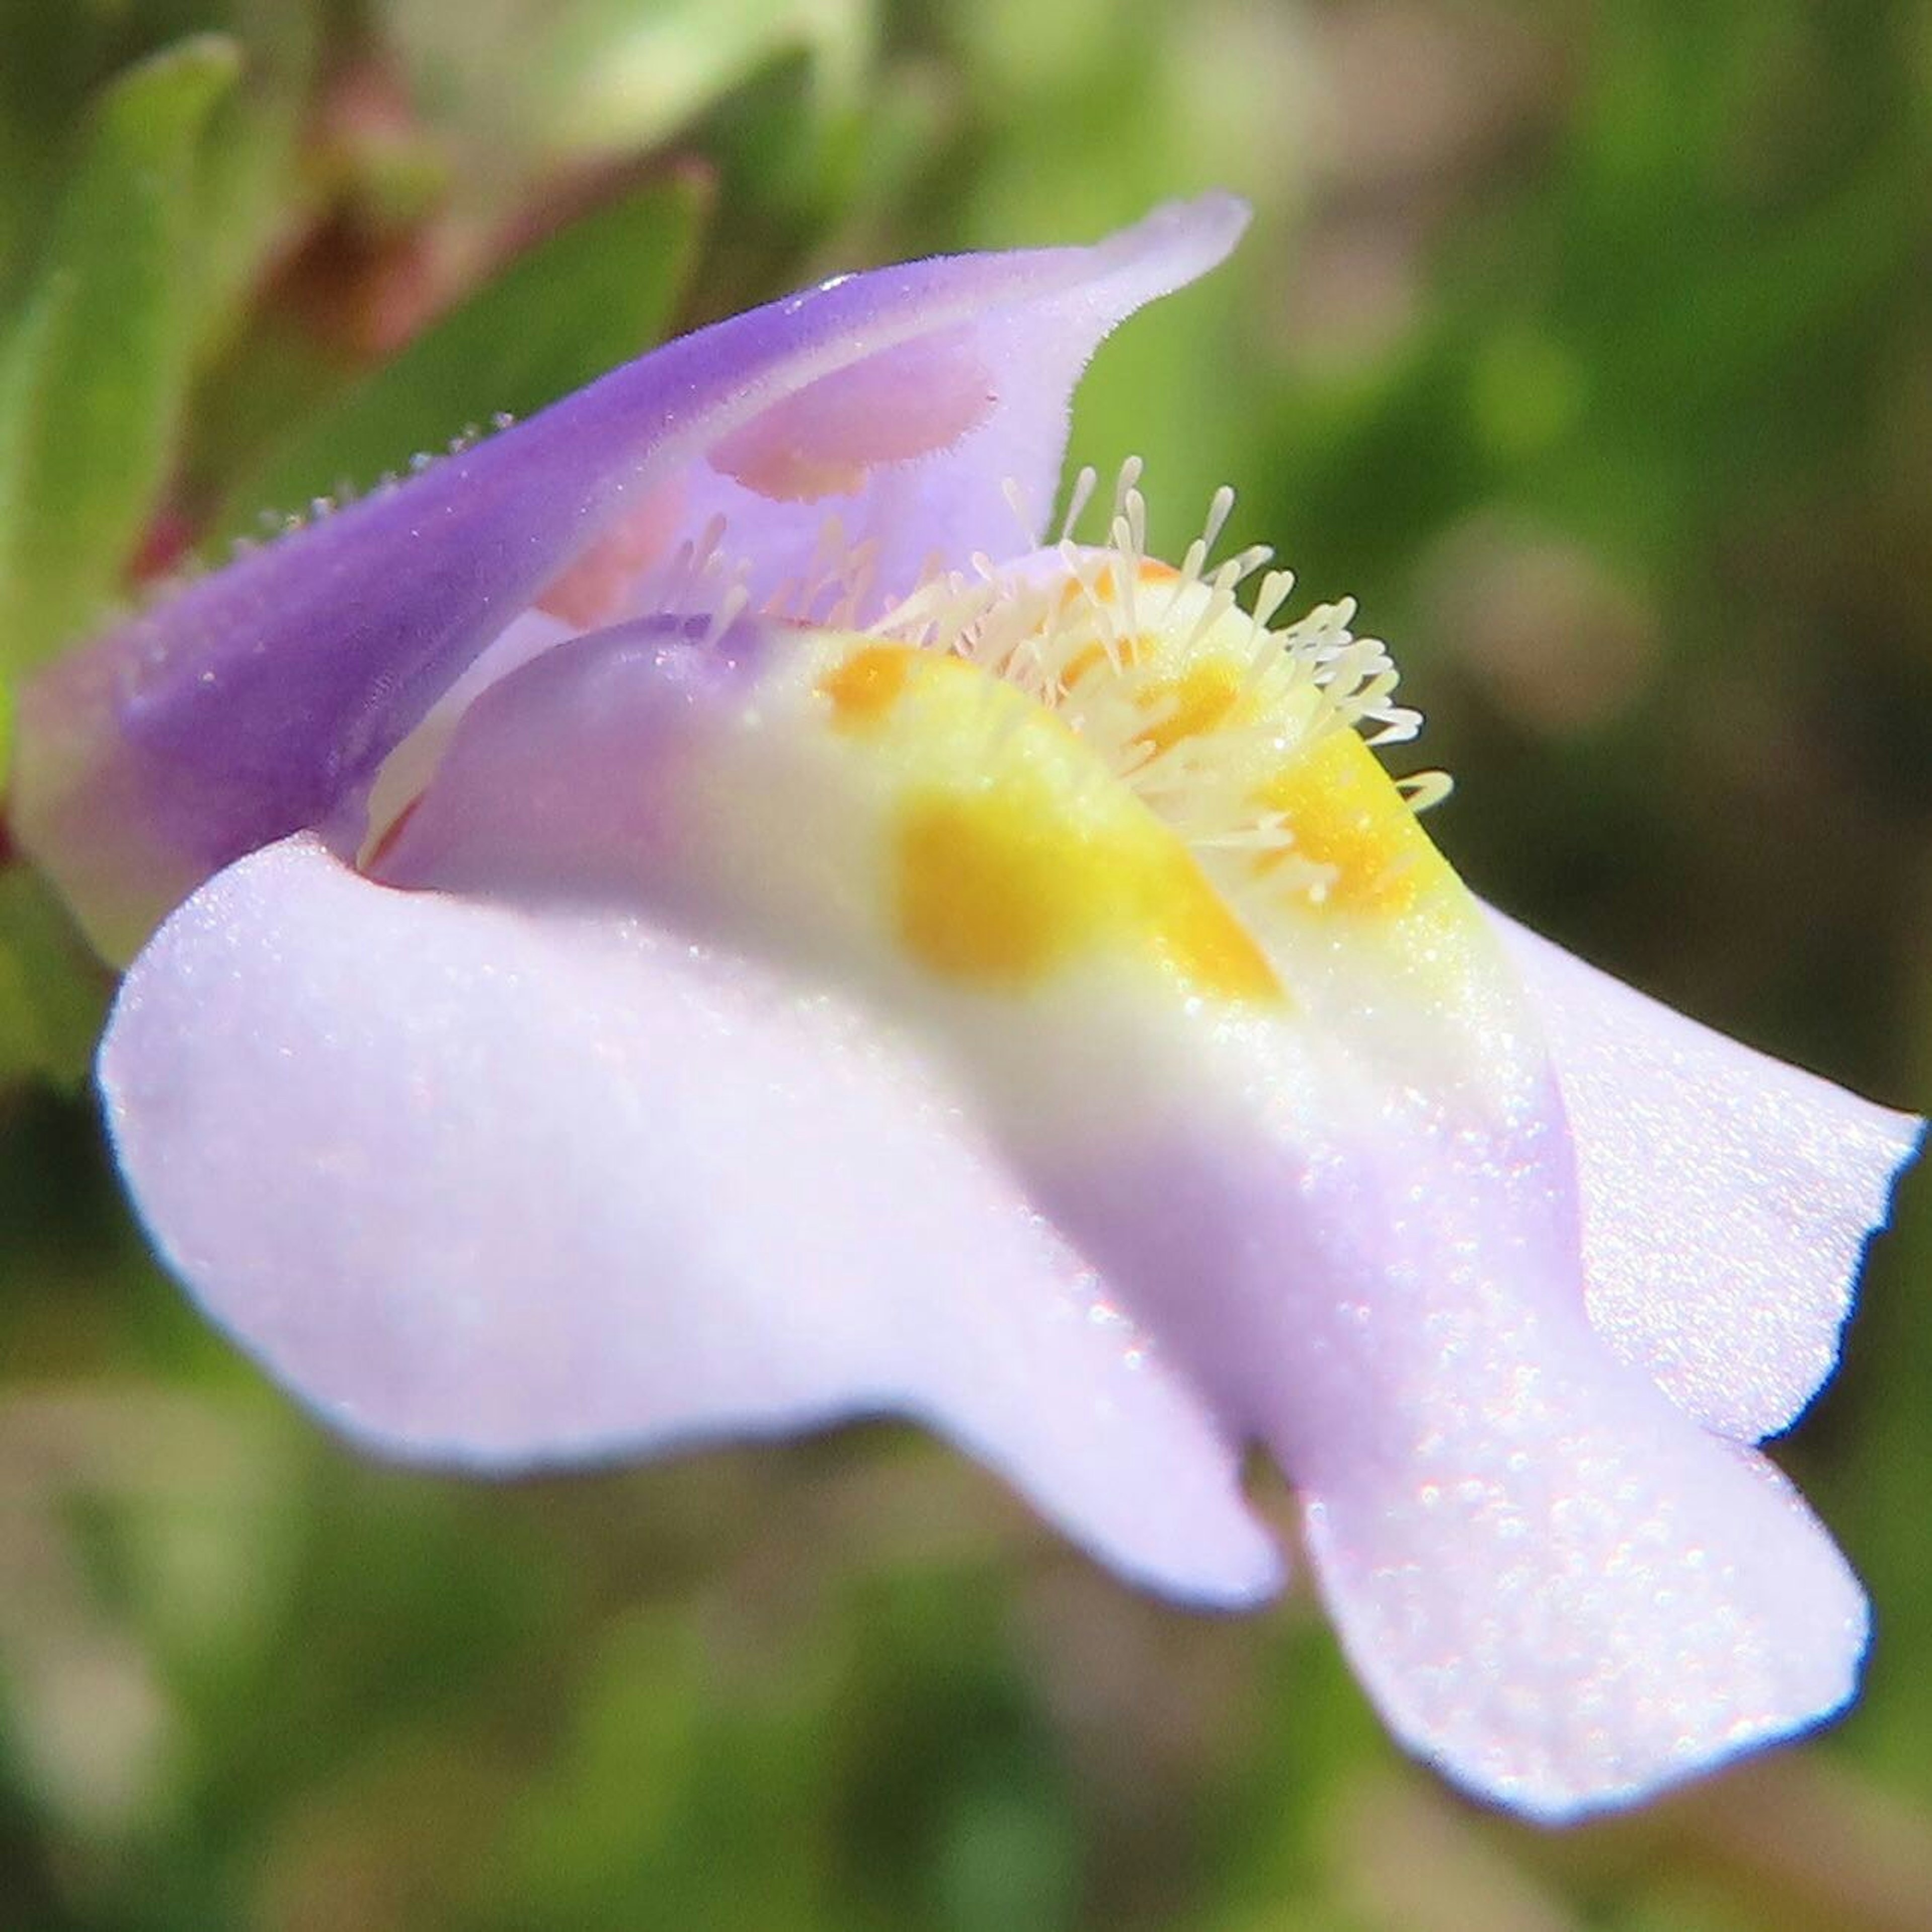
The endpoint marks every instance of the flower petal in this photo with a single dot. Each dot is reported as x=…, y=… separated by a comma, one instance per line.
x=1340, y=1193
x=257, y=700
x=1727, y=1197
x=505, y=1186
x=1558, y=1588
x=1642, y=1606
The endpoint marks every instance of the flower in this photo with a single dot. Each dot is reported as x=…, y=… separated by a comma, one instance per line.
x=673, y=940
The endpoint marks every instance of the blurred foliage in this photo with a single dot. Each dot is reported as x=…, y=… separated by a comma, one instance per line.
x=95, y=368
x=1591, y=345
x=625, y=266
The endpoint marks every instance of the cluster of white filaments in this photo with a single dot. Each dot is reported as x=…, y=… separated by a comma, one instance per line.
x=1105, y=636
x=705, y=588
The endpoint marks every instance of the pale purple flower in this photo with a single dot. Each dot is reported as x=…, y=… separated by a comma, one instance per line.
x=637, y=979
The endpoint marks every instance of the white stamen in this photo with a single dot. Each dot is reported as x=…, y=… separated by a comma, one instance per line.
x=1425, y=790
x=1076, y=628
x=1078, y=498
x=729, y=609
x=1050, y=634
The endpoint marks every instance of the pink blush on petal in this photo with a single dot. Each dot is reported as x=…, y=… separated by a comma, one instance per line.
x=823, y=442
x=594, y=588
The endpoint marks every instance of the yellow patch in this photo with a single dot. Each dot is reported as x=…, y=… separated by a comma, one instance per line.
x=1084, y=662
x=1100, y=589
x=1011, y=852
x=1000, y=887
x=1344, y=811
x=1092, y=661
x=1196, y=701
x=865, y=686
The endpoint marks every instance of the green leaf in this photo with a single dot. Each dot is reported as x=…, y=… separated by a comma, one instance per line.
x=93, y=375
x=251, y=192
x=581, y=79
x=52, y=992
x=595, y=294
x=54, y=56
x=627, y=77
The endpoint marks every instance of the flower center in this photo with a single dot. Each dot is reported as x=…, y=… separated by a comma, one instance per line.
x=1251, y=741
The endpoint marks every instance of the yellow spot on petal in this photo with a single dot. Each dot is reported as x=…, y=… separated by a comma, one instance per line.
x=864, y=687
x=1088, y=659
x=1197, y=701
x=1011, y=851
x=1343, y=811
x=1099, y=589
x=999, y=888
x=1103, y=661
x=980, y=893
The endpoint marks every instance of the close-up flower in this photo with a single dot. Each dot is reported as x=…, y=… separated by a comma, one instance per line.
x=724, y=907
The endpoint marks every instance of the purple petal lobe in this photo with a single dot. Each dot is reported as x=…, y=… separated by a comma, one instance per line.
x=1726, y=1197
x=260, y=700
x=507, y=1185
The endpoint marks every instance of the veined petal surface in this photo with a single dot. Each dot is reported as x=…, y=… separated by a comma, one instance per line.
x=257, y=701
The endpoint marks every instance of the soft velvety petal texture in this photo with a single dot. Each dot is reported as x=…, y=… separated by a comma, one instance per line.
x=1558, y=1588
x=1345, y=1203
x=512, y=1186
x=1727, y=1197
x=256, y=701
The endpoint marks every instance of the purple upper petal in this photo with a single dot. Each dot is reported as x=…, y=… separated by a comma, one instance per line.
x=257, y=701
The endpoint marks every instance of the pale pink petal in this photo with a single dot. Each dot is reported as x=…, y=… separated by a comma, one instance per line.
x=634, y=1167
x=1352, y=1222
x=1635, y=1607
x=1557, y=1588
x=501, y=1187
x=1727, y=1197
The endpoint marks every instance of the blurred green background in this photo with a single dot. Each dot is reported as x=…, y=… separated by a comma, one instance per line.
x=1589, y=343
